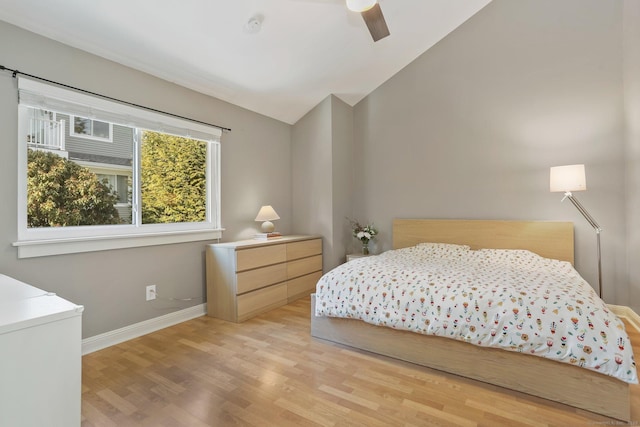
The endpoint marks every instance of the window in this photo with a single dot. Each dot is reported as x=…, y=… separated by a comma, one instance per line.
x=87, y=128
x=157, y=182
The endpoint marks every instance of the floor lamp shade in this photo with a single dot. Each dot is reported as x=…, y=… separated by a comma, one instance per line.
x=266, y=215
x=567, y=178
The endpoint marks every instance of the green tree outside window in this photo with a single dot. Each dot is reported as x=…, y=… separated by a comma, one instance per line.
x=173, y=179
x=63, y=193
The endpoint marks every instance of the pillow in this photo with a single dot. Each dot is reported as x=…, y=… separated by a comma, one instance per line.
x=444, y=246
x=521, y=257
x=442, y=250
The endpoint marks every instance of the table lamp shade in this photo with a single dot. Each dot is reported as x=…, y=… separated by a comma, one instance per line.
x=567, y=178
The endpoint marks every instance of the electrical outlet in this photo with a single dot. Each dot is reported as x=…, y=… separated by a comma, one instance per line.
x=151, y=292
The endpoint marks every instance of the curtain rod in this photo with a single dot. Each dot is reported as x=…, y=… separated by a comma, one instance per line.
x=16, y=72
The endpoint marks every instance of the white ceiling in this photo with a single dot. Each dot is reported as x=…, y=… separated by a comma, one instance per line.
x=306, y=49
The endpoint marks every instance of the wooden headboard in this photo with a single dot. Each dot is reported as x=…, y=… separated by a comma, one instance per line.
x=549, y=239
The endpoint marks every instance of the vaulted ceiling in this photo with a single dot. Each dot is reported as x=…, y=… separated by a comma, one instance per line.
x=303, y=50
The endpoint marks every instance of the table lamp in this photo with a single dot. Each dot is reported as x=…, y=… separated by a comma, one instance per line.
x=266, y=215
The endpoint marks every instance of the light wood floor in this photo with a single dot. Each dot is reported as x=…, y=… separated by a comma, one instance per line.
x=268, y=371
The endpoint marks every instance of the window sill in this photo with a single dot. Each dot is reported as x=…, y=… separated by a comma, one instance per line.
x=40, y=248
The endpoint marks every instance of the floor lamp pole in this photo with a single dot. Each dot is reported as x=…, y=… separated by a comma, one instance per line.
x=595, y=226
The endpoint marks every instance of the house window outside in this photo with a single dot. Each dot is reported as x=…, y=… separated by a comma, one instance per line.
x=149, y=182
x=94, y=129
x=119, y=185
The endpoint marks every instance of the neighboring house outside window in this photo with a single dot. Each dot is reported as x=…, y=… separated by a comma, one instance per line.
x=109, y=157
x=164, y=183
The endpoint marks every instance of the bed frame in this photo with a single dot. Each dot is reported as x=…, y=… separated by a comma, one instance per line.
x=559, y=382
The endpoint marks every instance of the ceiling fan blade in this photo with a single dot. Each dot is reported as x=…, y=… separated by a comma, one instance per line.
x=375, y=22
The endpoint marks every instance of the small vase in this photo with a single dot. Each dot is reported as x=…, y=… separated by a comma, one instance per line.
x=365, y=248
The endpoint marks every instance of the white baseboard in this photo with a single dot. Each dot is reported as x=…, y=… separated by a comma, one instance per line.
x=98, y=342
x=626, y=312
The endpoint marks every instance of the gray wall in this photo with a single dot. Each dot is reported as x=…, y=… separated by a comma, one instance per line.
x=311, y=171
x=342, y=137
x=631, y=27
x=471, y=127
x=322, y=173
x=110, y=284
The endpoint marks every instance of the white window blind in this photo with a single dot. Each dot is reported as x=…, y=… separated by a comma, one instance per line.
x=36, y=94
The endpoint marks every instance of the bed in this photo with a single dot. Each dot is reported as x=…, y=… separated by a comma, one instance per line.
x=538, y=376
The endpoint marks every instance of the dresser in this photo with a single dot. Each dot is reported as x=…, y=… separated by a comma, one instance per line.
x=250, y=277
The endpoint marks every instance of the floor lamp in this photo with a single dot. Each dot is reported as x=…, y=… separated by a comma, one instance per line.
x=572, y=178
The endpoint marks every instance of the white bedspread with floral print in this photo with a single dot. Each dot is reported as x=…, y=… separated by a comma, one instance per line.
x=509, y=299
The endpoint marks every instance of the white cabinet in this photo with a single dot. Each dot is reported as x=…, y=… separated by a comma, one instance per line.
x=40, y=357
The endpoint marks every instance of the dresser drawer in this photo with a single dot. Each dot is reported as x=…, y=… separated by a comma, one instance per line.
x=247, y=259
x=302, y=286
x=303, y=266
x=260, y=277
x=304, y=249
x=262, y=300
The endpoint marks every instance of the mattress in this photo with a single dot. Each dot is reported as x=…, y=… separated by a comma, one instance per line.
x=509, y=299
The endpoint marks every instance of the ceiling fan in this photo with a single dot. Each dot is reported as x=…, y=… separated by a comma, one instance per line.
x=372, y=15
